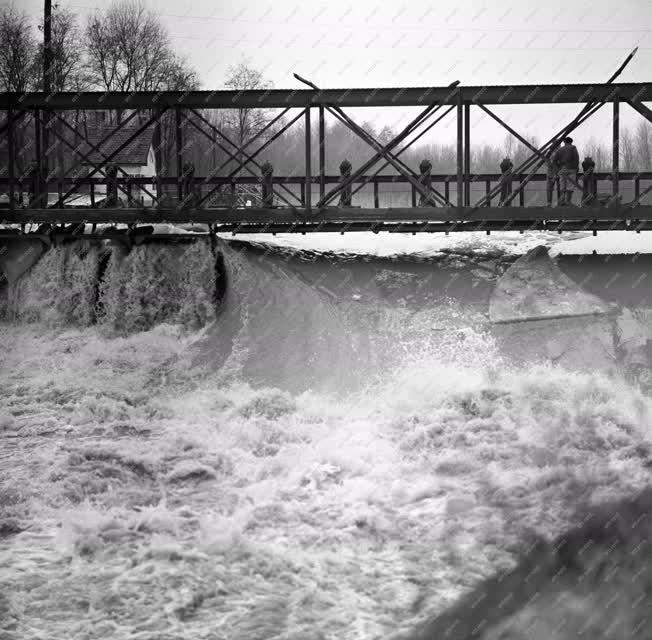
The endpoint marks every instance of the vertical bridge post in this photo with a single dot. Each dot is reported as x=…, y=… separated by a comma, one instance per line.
x=425, y=178
x=460, y=150
x=158, y=155
x=467, y=154
x=322, y=153
x=11, y=150
x=179, y=146
x=616, y=147
x=308, y=166
x=38, y=199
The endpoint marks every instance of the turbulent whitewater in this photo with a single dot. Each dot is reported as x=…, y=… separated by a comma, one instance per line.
x=229, y=441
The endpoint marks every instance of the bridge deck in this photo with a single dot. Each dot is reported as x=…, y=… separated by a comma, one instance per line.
x=400, y=219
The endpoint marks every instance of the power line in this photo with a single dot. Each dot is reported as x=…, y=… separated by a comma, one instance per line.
x=394, y=27
x=456, y=47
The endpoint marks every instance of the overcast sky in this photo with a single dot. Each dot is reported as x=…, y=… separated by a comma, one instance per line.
x=364, y=44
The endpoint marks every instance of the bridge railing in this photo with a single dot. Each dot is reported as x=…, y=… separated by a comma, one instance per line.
x=370, y=191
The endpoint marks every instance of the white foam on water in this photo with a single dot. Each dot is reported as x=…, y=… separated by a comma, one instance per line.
x=606, y=243
x=190, y=509
x=165, y=495
x=405, y=244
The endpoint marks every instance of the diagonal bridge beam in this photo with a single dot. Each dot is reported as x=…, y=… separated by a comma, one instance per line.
x=402, y=135
x=249, y=158
x=241, y=150
x=546, y=148
x=587, y=111
x=522, y=140
x=533, y=164
x=86, y=157
x=640, y=108
x=405, y=148
x=42, y=195
x=392, y=159
x=116, y=151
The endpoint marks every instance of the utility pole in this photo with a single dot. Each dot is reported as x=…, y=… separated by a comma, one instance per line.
x=47, y=87
x=47, y=46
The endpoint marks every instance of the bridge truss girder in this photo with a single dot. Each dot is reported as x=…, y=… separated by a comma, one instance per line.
x=45, y=112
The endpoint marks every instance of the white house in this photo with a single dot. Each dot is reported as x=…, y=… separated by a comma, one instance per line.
x=136, y=158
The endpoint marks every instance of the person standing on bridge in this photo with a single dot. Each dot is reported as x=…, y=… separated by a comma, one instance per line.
x=567, y=161
x=506, y=168
x=589, y=181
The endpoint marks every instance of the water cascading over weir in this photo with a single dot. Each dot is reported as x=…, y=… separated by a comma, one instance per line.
x=82, y=282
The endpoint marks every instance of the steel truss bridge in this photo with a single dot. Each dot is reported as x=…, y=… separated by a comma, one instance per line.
x=307, y=202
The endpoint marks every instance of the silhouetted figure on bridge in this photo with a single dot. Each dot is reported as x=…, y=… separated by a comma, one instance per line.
x=567, y=161
x=552, y=178
x=188, y=185
x=589, y=181
x=267, y=171
x=112, y=199
x=506, y=169
x=426, y=180
x=345, y=173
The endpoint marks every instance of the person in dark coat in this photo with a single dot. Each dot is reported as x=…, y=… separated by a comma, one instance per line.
x=589, y=182
x=267, y=171
x=506, y=167
x=567, y=160
x=345, y=172
x=188, y=184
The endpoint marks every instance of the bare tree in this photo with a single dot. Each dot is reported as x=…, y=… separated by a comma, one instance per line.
x=67, y=55
x=128, y=49
x=509, y=146
x=598, y=152
x=643, y=146
x=17, y=73
x=245, y=123
x=386, y=134
x=17, y=51
x=627, y=150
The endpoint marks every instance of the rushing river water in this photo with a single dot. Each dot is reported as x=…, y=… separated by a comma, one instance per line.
x=335, y=449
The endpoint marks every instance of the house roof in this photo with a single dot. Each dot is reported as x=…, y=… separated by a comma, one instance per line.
x=135, y=152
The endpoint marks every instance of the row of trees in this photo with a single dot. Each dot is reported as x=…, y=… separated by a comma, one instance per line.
x=287, y=153
x=122, y=48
